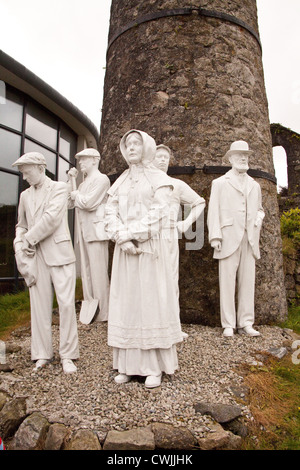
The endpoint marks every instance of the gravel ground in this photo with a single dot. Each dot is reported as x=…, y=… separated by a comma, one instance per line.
x=209, y=370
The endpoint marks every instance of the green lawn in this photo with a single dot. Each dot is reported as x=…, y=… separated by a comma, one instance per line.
x=15, y=310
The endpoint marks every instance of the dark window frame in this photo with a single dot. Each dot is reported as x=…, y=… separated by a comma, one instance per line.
x=25, y=99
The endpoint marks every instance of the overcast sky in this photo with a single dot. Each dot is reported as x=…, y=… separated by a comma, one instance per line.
x=64, y=43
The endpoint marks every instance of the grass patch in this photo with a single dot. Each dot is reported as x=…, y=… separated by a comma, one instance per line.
x=293, y=320
x=15, y=310
x=275, y=406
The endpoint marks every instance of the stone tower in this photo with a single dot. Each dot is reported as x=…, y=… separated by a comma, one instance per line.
x=192, y=77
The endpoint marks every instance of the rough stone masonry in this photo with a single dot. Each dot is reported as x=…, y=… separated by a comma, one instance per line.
x=193, y=79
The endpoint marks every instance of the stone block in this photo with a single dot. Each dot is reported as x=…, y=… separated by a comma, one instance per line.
x=32, y=433
x=167, y=436
x=4, y=397
x=216, y=439
x=56, y=435
x=11, y=416
x=135, y=439
x=222, y=413
x=83, y=439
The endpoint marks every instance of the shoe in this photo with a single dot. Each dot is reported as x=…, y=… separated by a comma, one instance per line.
x=153, y=381
x=228, y=332
x=68, y=366
x=122, y=378
x=249, y=331
x=41, y=363
x=184, y=335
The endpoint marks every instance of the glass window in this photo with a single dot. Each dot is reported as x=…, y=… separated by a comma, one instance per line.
x=10, y=148
x=41, y=125
x=63, y=168
x=8, y=208
x=11, y=112
x=49, y=156
x=2, y=92
x=67, y=143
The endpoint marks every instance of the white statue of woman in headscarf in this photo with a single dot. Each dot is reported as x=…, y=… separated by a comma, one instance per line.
x=143, y=320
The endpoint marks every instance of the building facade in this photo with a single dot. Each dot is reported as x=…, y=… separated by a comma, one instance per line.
x=33, y=117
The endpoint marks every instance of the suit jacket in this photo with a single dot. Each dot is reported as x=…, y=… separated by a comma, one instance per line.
x=44, y=223
x=90, y=205
x=230, y=211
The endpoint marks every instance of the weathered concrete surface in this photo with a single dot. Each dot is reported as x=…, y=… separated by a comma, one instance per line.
x=196, y=84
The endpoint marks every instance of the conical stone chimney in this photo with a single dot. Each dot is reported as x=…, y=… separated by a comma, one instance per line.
x=190, y=74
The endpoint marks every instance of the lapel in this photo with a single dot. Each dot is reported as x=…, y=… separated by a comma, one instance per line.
x=30, y=200
x=230, y=177
x=250, y=184
x=234, y=182
x=43, y=194
x=87, y=183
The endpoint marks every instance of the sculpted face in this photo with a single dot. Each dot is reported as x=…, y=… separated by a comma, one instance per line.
x=134, y=148
x=86, y=164
x=33, y=174
x=239, y=162
x=162, y=159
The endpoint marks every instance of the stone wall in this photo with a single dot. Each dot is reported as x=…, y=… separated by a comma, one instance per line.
x=291, y=264
x=196, y=84
x=289, y=198
x=290, y=141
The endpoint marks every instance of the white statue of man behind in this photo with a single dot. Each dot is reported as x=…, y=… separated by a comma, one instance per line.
x=234, y=220
x=182, y=195
x=89, y=201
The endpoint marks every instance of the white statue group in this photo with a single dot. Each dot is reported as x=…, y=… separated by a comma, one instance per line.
x=139, y=214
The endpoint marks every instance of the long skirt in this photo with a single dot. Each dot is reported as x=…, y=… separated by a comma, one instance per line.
x=143, y=321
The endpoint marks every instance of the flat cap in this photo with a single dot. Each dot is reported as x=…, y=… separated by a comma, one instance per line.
x=89, y=152
x=31, y=158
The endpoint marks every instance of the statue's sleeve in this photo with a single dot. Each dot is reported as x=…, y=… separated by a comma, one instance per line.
x=91, y=199
x=112, y=221
x=156, y=217
x=52, y=216
x=213, y=215
x=22, y=225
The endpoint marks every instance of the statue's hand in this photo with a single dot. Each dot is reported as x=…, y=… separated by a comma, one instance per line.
x=181, y=227
x=27, y=248
x=123, y=236
x=130, y=248
x=73, y=172
x=216, y=244
x=258, y=222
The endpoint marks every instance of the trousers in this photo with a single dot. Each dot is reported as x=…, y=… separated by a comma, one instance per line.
x=238, y=270
x=63, y=279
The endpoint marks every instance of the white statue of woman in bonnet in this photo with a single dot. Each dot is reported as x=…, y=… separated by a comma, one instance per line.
x=143, y=320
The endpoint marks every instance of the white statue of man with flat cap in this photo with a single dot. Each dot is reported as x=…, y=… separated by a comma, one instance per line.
x=89, y=201
x=234, y=221
x=44, y=242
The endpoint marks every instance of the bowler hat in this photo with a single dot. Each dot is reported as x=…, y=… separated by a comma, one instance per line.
x=31, y=158
x=239, y=146
x=89, y=152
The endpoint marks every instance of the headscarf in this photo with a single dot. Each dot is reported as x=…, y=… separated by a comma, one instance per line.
x=149, y=146
x=156, y=177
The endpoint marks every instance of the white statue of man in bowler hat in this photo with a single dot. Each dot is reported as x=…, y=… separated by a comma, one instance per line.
x=234, y=220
